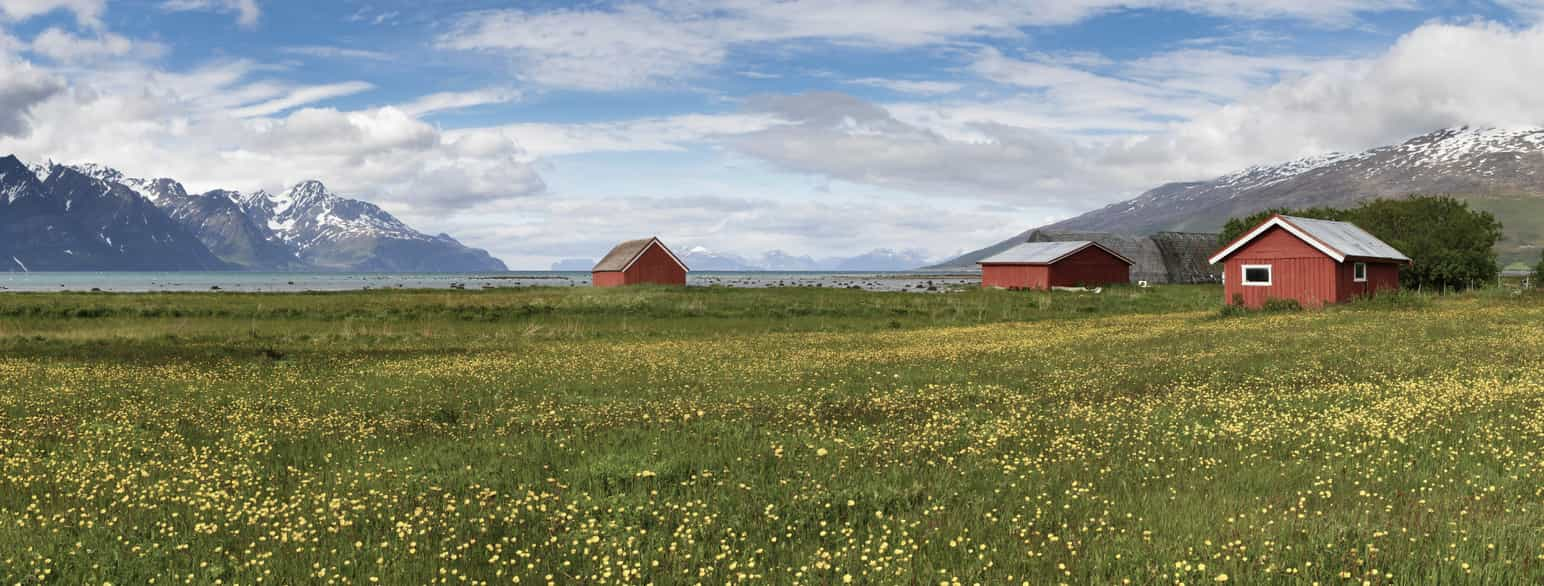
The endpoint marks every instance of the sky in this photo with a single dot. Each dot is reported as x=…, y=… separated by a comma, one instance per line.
x=543, y=131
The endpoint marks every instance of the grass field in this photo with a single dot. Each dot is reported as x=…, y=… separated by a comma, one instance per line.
x=783, y=436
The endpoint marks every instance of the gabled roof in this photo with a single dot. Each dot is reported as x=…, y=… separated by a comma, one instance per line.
x=625, y=254
x=1044, y=253
x=1337, y=240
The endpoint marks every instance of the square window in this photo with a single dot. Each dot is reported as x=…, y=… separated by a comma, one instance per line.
x=1257, y=275
x=1359, y=272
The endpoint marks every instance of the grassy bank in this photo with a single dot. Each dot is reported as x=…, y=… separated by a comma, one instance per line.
x=786, y=436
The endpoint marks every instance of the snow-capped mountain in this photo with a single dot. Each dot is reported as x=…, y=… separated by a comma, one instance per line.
x=1499, y=170
x=68, y=220
x=304, y=228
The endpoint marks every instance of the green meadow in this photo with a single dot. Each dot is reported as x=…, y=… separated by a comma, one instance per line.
x=782, y=436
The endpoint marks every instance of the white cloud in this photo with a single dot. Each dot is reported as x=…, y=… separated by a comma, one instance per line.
x=330, y=52
x=906, y=86
x=445, y=101
x=598, y=50
x=1439, y=75
x=646, y=44
x=302, y=96
x=551, y=228
x=247, y=11
x=87, y=12
x=672, y=133
x=1080, y=138
x=62, y=46
x=208, y=128
x=842, y=137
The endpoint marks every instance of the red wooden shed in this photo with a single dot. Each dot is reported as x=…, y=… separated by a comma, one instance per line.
x=1042, y=265
x=1314, y=262
x=636, y=262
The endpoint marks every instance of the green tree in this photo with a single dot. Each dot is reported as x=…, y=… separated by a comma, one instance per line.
x=1538, y=272
x=1451, y=245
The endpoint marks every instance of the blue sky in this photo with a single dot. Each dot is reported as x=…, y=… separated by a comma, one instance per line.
x=548, y=130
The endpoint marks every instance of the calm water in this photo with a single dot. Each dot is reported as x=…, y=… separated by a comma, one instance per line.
x=279, y=282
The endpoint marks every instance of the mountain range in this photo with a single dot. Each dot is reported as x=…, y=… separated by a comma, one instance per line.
x=89, y=217
x=879, y=259
x=1496, y=170
x=702, y=259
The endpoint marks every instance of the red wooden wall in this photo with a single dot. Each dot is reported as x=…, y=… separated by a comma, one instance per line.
x=1091, y=266
x=607, y=279
x=1381, y=276
x=655, y=266
x=1016, y=276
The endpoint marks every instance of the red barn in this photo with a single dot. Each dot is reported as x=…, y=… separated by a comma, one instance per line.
x=1042, y=265
x=636, y=262
x=1314, y=262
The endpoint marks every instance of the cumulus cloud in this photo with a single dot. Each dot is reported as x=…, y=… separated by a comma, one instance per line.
x=222, y=126
x=846, y=138
x=247, y=11
x=22, y=88
x=1082, y=136
x=642, y=44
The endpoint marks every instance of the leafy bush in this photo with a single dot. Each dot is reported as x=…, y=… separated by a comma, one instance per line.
x=1281, y=305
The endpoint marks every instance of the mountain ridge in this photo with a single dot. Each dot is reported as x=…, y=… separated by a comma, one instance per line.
x=1495, y=169
x=304, y=228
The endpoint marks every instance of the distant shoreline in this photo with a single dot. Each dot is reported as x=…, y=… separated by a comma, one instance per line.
x=252, y=282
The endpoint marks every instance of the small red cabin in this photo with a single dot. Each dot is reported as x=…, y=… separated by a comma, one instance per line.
x=636, y=262
x=1042, y=265
x=1313, y=262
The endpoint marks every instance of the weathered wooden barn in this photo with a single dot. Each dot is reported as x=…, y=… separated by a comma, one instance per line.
x=1042, y=265
x=636, y=262
x=1313, y=262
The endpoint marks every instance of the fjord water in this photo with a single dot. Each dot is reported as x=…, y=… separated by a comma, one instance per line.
x=255, y=282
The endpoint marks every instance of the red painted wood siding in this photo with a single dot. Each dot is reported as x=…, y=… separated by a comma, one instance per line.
x=1091, y=266
x=1298, y=271
x=1381, y=276
x=654, y=266
x=607, y=279
x=1016, y=276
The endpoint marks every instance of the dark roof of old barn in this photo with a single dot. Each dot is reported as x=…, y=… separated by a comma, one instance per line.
x=625, y=253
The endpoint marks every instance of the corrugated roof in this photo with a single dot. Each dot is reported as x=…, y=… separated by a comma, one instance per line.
x=1347, y=238
x=1042, y=252
x=623, y=255
x=1337, y=240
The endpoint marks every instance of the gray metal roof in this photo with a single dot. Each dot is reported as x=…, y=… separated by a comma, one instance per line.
x=624, y=254
x=1347, y=238
x=1042, y=252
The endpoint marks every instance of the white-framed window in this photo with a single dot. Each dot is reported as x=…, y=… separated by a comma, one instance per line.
x=1359, y=272
x=1257, y=275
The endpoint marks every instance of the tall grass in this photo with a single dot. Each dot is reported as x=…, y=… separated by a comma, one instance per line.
x=784, y=436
